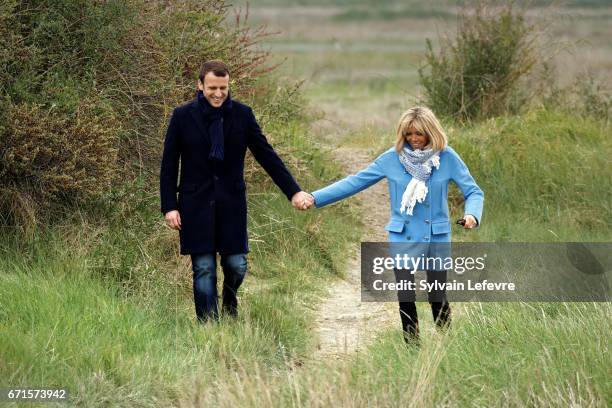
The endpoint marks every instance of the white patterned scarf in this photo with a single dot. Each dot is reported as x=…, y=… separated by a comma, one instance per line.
x=419, y=163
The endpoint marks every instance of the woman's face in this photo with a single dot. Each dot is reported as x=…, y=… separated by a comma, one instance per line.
x=416, y=139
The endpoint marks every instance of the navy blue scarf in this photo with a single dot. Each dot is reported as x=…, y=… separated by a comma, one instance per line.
x=213, y=117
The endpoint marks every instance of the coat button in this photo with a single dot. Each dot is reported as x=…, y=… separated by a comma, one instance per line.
x=407, y=222
x=408, y=238
x=427, y=222
x=426, y=238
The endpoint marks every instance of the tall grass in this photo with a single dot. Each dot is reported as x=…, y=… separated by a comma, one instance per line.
x=495, y=355
x=103, y=304
x=546, y=176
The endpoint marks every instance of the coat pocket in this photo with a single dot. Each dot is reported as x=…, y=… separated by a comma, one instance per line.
x=442, y=227
x=395, y=226
x=187, y=187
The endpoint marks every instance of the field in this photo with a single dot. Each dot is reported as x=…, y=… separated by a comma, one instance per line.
x=101, y=303
x=359, y=61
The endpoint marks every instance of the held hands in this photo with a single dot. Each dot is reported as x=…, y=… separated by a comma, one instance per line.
x=173, y=219
x=302, y=201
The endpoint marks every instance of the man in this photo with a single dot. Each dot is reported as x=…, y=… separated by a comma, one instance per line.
x=209, y=137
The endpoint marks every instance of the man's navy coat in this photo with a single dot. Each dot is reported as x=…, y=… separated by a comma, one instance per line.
x=212, y=195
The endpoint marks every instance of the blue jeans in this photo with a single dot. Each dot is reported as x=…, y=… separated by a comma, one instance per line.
x=205, y=283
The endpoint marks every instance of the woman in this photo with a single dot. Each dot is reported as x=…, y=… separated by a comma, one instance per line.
x=418, y=170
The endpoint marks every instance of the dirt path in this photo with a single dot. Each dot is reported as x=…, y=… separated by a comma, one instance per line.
x=344, y=324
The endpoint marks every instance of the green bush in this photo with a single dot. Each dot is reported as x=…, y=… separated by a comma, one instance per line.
x=594, y=98
x=87, y=88
x=56, y=157
x=477, y=75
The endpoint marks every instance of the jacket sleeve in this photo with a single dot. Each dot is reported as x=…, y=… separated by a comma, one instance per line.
x=268, y=159
x=473, y=195
x=168, y=174
x=349, y=186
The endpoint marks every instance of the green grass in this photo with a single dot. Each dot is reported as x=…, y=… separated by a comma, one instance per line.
x=516, y=354
x=497, y=354
x=103, y=305
x=546, y=176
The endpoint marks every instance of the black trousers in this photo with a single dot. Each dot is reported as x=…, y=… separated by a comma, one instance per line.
x=440, y=307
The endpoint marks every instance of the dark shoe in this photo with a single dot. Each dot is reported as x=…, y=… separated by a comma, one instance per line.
x=442, y=315
x=411, y=337
x=207, y=320
x=229, y=311
x=442, y=326
x=230, y=306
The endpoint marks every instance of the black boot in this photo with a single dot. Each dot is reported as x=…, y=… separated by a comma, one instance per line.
x=442, y=315
x=410, y=322
x=230, y=303
x=411, y=336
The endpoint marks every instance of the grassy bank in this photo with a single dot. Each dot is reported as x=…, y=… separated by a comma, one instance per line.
x=496, y=355
x=546, y=176
x=102, y=305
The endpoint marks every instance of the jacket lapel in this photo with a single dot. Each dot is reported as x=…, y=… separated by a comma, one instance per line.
x=197, y=117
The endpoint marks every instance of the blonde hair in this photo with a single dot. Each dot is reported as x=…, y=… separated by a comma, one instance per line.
x=424, y=121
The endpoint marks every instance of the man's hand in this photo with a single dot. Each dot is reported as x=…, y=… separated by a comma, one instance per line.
x=302, y=200
x=470, y=221
x=173, y=219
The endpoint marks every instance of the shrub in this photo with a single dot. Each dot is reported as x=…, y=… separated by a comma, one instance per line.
x=87, y=88
x=587, y=95
x=58, y=158
x=477, y=74
x=594, y=98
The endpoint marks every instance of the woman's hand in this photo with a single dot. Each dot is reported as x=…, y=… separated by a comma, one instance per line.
x=302, y=201
x=470, y=221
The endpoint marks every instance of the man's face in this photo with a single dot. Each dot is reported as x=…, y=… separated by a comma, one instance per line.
x=215, y=89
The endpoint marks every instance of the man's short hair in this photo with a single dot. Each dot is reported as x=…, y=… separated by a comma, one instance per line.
x=217, y=67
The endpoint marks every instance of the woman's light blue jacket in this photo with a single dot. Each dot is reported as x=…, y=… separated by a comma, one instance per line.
x=430, y=220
